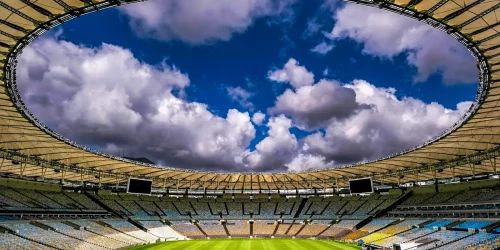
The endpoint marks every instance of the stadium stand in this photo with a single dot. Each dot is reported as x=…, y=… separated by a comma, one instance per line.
x=474, y=224
x=391, y=230
x=213, y=228
x=238, y=228
x=162, y=231
x=264, y=228
x=474, y=240
x=403, y=237
x=97, y=240
x=295, y=227
x=340, y=229
x=187, y=229
x=49, y=237
x=129, y=229
x=443, y=237
x=57, y=194
x=101, y=229
x=314, y=228
x=12, y=242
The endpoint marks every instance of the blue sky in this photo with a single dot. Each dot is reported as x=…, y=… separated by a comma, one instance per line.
x=229, y=64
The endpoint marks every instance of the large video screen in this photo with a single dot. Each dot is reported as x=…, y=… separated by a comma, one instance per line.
x=138, y=186
x=360, y=186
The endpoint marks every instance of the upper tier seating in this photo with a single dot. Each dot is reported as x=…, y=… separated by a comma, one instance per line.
x=21, y=201
x=351, y=207
x=441, y=198
x=251, y=208
x=266, y=210
x=171, y=211
x=417, y=199
x=203, y=210
x=64, y=200
x=332, y=209
x=84, y=201
x=235, y=210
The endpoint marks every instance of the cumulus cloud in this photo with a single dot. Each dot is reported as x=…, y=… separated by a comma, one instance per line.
x=312, y=106
x=107, y=98
x=277, y=149
x=258, y=118
x=292, y=73
x=241, y=96
x=386, y=34
x=390, y=126
x=201, y=21
x=322, y=48
x=308, y=162
x=355, y=121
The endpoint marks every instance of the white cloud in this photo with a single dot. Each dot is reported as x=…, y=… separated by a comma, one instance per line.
x=201, y=21
x=74, y=89
x=292, y=73
x=358, y=121
x=390, y=126
x=312, y=106
x=387, y=34
x=258, y=118
x=308, y=162
x=241, y=96
x=322, y=48
x=277, y=149
x=107, y=98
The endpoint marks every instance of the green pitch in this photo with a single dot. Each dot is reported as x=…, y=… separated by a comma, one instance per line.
x=250, y=244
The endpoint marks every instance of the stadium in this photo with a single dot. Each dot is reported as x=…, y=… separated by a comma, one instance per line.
x=443, y=194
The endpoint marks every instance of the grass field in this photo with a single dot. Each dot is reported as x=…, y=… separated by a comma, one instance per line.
x=250, y=244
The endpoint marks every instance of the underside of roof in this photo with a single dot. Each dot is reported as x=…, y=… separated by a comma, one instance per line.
x=470, y=147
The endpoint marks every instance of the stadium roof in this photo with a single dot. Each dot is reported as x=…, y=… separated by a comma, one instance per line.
x=470, y=147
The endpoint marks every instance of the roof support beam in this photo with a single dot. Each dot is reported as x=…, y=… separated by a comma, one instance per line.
x=19, y=13
x=64, y=5
x=13, y=26
x=435, y=7
x=38, y=8
x=479, y=31
x=476, y=17
x=461, y=11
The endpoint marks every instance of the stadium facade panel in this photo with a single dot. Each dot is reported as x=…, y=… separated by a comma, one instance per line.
x=29, y=149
